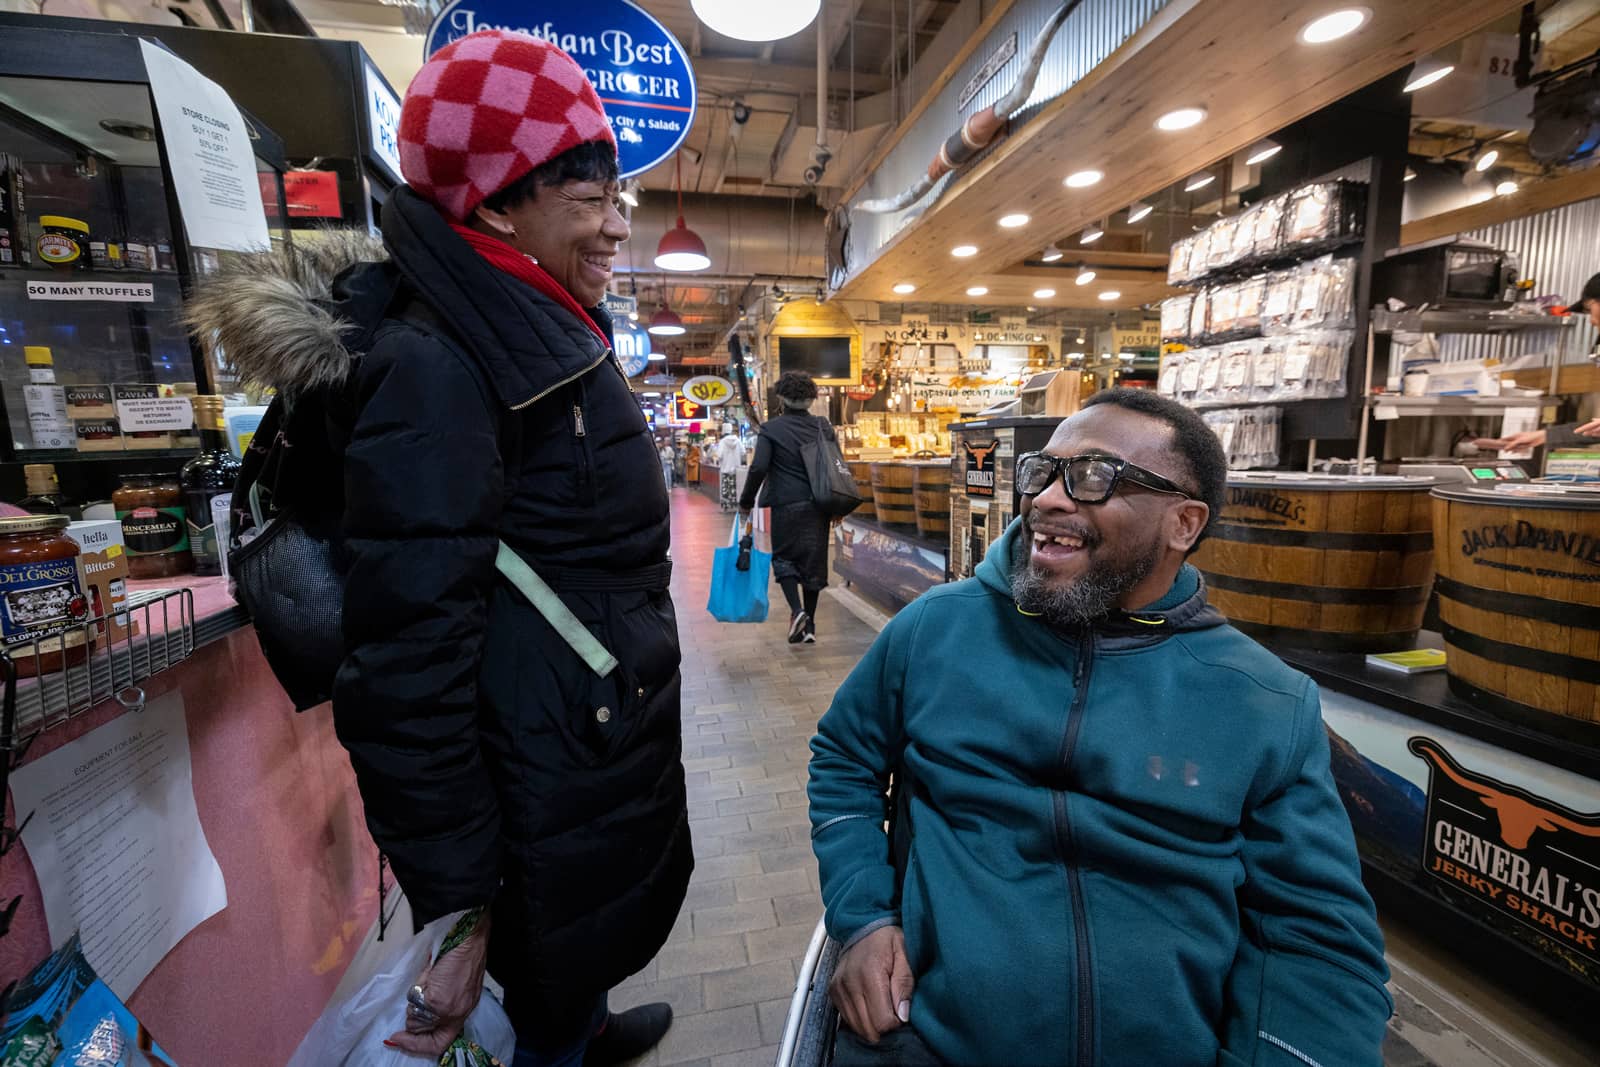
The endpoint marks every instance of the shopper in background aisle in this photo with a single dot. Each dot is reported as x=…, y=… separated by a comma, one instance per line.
x=799, y=530
x=691, y=469
x=729, y=455
x=1117, y=837
x=1564, y=435
x=498, y=771
x=667, y=458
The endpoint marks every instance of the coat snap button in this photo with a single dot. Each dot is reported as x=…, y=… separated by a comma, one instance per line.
x=603, y=715
x=640, y=694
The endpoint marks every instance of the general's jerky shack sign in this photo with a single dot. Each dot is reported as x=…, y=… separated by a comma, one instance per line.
x=1521, y=854
x=634, y=62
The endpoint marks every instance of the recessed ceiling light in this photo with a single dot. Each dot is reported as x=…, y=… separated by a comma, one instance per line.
x=633, y=316
x=978, y=290
x=904, y=288
x=1428, y=71
x=1334, y=25
x=1110, y=294
x=1083, y=179
x=1262, y=151
x=1085, y=276
x=1092, y=233
x=964, y=251
x=1505, y=187
x=1137, y=211
x=1199, y=181
x=1043, y=294
x=656, y=357
x=1051, y=253
x=1016, y=221
x=1411, y=175
x=629, y=193
x=1182, y=119
x=1486, y=159
x=649, y=394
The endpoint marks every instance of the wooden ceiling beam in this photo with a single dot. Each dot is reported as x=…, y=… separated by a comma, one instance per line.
x=1530, y=199
x=1237, y=58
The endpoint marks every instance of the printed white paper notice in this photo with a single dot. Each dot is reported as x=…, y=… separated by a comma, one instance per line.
x=116, y=842
x=155, y=413
x=213, y=165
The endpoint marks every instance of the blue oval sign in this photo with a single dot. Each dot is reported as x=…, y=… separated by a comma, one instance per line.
x=636, y=65
x=633, y=347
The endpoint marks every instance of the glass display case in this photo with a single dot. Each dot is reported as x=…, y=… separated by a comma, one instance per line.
x=94, y=260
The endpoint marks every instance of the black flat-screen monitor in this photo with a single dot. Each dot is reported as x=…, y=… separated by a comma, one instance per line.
x=824, y=358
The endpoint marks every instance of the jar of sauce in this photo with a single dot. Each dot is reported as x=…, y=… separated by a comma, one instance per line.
x=43, y=612
x=64, y=243
x=154, y=528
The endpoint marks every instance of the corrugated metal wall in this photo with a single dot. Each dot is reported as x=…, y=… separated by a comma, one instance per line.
x=1559, y=250
x=1089, y=35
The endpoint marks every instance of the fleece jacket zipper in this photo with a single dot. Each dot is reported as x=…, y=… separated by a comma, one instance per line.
x=1068, y=849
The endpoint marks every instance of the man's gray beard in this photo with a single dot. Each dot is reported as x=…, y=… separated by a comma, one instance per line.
x=1082, y=600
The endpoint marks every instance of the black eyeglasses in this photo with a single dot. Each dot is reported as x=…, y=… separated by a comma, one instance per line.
x=1089, y=479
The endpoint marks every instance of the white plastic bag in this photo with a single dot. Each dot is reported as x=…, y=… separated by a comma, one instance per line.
x=370, y=1005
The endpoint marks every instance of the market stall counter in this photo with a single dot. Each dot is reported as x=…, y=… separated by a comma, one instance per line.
x=226, y=932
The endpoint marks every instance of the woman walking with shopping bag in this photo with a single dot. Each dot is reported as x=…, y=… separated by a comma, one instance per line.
x=799, y=527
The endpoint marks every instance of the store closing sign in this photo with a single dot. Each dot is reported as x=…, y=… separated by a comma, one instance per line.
x=635, y=63
x=708, y=390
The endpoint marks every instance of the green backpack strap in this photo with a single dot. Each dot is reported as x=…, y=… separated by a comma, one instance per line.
x=548, y=604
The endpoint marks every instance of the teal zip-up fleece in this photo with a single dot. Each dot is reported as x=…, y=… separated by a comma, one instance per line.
x=1126, y=846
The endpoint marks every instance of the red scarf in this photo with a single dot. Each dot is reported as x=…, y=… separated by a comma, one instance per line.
x=501, y=255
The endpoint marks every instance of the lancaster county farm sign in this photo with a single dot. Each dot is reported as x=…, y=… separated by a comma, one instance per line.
x=636, y=65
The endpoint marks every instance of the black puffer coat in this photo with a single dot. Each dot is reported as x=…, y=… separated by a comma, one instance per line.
x=492, y=762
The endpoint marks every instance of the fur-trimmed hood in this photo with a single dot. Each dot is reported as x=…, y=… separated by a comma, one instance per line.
x=286, y=318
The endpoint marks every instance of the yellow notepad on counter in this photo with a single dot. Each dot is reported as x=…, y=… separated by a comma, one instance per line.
x=1414, y=662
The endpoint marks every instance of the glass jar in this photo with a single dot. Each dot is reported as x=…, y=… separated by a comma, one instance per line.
x=43, y=611
x=64, y=243
x=154, y=528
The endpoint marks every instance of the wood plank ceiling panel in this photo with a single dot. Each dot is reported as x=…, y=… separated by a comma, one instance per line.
x=1240, y=59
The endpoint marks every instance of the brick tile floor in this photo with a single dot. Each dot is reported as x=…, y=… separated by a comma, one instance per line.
x=751, y=702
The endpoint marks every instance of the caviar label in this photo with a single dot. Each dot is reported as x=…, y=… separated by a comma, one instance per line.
x=154, y=531
x=136, y=391
x=89, y=401
x=40, y=599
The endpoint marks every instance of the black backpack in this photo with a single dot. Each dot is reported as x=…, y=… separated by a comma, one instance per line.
x=285, y=557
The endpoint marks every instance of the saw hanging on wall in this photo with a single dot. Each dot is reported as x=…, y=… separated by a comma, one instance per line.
x=981, y=129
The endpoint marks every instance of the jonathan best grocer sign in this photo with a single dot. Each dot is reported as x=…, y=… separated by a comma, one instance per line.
x=636, y=65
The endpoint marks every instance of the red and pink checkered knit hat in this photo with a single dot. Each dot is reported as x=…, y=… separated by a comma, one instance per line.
x=486, y=110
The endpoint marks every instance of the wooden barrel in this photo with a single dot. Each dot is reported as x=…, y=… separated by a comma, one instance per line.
x=1324, y=562
x=931, y=495
x=1519, y=598
x=862, y=472
x=892, y=493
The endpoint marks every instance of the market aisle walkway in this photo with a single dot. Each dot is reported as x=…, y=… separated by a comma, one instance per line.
x=750, y=706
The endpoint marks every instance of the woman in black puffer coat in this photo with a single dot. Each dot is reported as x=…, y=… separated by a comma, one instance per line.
x=799, y=529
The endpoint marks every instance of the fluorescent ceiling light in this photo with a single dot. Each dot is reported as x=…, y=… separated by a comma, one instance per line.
x=1051, y=253
x=1013, y=222
x=978, y=290
x=1486, y=159
x=1085, y=276
x=1182, y=119
x=649, y=394
x=964, y=251
x=656, y=357
x=1083, y=179
x=1110, y=294
x=1334, y=25
x=1199, y=181
x=744, y=21
x=1092, y=233
x=629, y=194
x=905, y=288
x=1262, y=151
x=1043, y=294
x=1138, y=210
x=1428, y=71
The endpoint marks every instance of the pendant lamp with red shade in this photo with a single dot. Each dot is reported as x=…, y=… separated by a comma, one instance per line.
x=681, y=249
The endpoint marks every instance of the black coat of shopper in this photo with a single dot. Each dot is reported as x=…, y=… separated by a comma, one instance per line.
x=778, y=463
x=493, y=763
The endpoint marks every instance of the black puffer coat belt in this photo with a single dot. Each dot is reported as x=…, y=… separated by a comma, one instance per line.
x=494, y=765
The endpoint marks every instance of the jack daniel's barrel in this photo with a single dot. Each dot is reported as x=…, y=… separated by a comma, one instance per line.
x=931, y=484
x=1519, y=598
x=893, y=489
x=862, y=473
x=1323, y=562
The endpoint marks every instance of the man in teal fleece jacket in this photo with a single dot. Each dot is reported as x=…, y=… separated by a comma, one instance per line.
x=1116, y=836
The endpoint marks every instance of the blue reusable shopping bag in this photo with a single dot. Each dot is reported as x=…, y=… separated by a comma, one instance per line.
x=738, y=595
